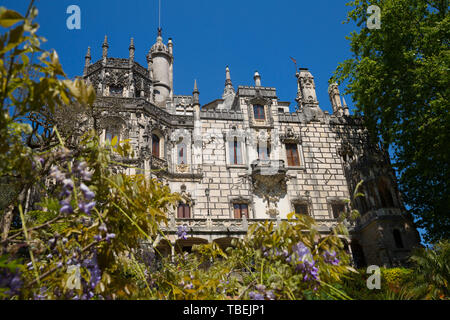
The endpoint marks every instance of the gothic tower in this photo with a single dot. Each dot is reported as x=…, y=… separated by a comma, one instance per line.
x=162, y=67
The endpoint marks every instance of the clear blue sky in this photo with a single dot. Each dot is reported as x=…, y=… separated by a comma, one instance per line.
x=208, y=35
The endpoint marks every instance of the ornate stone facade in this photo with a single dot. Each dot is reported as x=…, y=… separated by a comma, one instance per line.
x=246, y=158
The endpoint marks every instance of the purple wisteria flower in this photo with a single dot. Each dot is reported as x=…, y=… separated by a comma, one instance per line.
x=261, y=293
x=256, y=296
x=182, y=232
x=10, y=280
x=81, y=169
x=331, y=258
x=57, y=174
x=110, y=236
x=66, y=208
x=303, y=260
x=87, y=193
x=86, y=207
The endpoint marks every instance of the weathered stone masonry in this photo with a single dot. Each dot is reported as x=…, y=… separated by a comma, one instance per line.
x=246, y=158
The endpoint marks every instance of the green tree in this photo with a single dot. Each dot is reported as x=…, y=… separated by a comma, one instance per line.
x=399, y=79
x=32, y=85
x=431, y=277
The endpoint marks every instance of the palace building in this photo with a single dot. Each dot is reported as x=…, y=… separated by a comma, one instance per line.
x=245, y=158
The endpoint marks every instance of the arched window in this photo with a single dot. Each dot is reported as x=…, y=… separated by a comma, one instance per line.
x=112, y=132
x=182, y=154
x=155, y=146
x=385, y=194
x=398, y=239
x=116, y=91
x=259, y=112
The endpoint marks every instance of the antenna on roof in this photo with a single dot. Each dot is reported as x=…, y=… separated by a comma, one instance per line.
x=159, y=15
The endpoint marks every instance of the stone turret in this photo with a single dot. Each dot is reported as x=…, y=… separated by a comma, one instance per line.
x=257, y=79
x=162, y=68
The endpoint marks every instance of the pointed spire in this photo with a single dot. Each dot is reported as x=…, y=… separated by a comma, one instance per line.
x=87, y=61
x=228, y=84
x=105, y=47
x=132, y=44
x=228, y=77
x=196, y=94
x=131, y=50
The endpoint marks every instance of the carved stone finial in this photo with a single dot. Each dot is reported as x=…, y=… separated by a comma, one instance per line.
x=196, y=94
x=105, y=47
x=257, y=78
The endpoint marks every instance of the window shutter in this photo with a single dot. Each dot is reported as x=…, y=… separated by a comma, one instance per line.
x=238, y=152
x=237, y=211
x=180, y=211
x=244, y=210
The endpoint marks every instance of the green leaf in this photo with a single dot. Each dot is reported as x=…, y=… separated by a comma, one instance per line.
x=114, y=141
x=9, y=18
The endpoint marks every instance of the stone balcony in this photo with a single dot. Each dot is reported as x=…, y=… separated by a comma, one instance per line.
x=230, y=227
x=268, y=167
x=378, y=214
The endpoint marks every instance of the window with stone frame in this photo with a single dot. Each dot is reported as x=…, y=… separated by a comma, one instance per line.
x=116, y=91
x=111, y=133
x=301, y=208
x=292, y=155
x=156, y=145
x=184, y=211
x=235, y=152
x=259, y=112
x=182, y=154
x=337, y=208
x=263, y=151
x=240, y=210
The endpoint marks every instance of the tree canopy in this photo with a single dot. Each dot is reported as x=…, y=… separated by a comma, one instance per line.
x=399, y=79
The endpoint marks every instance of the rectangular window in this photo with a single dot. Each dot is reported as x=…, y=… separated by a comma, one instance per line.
x=301, y=208
x=155, y=145
x=240, y=210
x=235, y=151
x=182, y=156
x=292, y=155
x=259, y=112
x=184, y=211
x=338, y=209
